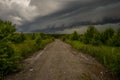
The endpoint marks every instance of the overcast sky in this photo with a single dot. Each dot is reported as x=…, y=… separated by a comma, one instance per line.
x=42, y=15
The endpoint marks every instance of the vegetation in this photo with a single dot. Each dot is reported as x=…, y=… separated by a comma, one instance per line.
x=14, y=47
x=104, y=46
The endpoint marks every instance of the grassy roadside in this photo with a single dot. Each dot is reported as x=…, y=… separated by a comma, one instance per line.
x=14, y=53
x=27, y=48
x=108, y=56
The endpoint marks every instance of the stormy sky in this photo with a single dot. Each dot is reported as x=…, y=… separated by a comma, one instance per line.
x=59, y=15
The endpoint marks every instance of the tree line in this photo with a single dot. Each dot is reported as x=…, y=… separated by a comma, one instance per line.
x=92, y=36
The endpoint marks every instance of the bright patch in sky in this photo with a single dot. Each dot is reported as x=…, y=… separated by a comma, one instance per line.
x=18, y=10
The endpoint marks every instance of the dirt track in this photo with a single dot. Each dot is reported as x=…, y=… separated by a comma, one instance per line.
x=58, y=61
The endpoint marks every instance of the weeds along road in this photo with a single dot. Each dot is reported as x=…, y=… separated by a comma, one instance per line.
x=59, y=61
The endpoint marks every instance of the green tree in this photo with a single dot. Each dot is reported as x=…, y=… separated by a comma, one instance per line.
x=43, y=36
x=106, y=35
x=33, y=36
x=6, y=29
x=22, y=37
x=75, y=36
x=92, y=36
x=115, y=40
x=38, y=42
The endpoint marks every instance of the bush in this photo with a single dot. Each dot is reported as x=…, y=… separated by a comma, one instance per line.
x=7, y=62
x=17, y=38
x=6, y=29
x=5, y=50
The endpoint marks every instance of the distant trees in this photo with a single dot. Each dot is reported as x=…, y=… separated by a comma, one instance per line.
x=33, y=36
x=92, y=36
x=75, y=36
x=106, y=35
x=115, y=39
x=38, y=40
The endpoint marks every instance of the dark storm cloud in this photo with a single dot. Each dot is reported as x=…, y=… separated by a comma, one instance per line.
x=44, y=15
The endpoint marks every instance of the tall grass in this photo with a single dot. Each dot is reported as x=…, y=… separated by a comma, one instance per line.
x=109, y=56
x=28, y=47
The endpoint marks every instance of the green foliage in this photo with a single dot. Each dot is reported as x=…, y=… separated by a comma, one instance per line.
x=109, y=56
x=115, y=40
x=7, y=62
x=38, y=41
x=74, y=36
x=6, y=29
x=106, y=35
x=92, y=36
x=104, y=46
x=16, y=46
x=43, y=36
x=6, y=51
x=33, y=36
x=17, y=38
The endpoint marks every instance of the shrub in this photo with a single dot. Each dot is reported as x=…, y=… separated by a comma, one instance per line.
x=6, y=29
x=7, y=62
x=74, y=36
x=17, y=38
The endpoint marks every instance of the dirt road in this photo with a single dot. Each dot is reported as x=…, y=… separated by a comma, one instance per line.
x=59, y=61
